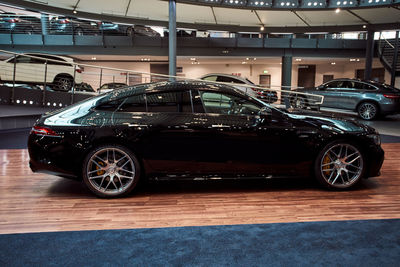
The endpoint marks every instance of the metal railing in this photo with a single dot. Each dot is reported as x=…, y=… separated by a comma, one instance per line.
x=42, y=80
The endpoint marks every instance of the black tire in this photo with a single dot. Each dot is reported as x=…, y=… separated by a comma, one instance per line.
x=340, y=165
x=299, y=102
x=130, y=31
x=368, y=111
x=28, y=30
x=79, y=31
x=63, y=83
x=111, y=171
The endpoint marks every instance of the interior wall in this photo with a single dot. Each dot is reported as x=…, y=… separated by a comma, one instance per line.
x=342, y=69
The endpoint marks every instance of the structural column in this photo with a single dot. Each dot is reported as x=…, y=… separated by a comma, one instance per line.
x=394, y=60
x=44, y=18
x=369, y=55
x=286, y=76
x=172, y=39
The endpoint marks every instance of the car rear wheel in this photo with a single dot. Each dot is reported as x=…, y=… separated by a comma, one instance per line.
x=111, y=171
x=367, y=110
x=339, y=165
x=63, y=83
x=298, y=102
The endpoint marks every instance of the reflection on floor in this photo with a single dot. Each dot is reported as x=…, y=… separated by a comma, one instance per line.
x=40, y=202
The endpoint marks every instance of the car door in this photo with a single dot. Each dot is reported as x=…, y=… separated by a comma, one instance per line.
x=25, y=70
x=331, y=93
x=351, y=94
x=241, y=144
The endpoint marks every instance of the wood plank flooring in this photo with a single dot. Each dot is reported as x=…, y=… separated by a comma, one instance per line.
x=40, y=202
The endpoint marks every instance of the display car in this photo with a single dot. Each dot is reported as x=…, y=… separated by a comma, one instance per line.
x=31, y=68
x=369, y=99
x=193, y=130
x=268, y=96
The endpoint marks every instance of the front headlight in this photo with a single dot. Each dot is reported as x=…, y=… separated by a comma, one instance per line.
x=376, y=138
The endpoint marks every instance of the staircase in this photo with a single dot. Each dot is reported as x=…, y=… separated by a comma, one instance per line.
x=386, y=50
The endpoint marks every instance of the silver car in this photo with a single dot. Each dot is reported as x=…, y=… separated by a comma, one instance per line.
x=369, y=99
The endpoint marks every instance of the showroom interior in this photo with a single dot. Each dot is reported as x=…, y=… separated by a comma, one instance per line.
x=304, y=82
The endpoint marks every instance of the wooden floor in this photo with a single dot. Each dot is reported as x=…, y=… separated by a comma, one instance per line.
x=39, y=202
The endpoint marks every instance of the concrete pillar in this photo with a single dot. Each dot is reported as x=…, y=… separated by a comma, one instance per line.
x=172, y=39
x=369, y=56
x=44, y=18
x=286, y=76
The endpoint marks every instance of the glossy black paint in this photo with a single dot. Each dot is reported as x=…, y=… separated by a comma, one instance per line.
x=194, y=144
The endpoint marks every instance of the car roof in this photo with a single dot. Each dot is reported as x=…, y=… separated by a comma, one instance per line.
x=226, y=75
x=354, y=80
x=172, y=86
x=68, y=59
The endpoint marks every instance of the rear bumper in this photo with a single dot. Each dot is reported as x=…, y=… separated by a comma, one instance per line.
x=390, y=108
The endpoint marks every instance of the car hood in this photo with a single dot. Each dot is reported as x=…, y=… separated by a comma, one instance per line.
x=331, y=122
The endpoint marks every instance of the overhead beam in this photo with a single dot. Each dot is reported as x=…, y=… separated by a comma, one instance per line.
x=215, y=17
x=39, y=7
x=303, y=20
x=358, y=16
x=127, y=7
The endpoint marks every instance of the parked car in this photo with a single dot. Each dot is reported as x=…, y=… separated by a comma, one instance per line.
x=84, y=87
x=188, y=130
x=28, y=86
x=265, y=95
x=14, y=23
x=30, y=68
x=68, y=25
x=369, y=99
x=107, y=87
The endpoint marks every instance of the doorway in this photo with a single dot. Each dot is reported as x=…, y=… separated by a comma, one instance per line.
x=306, y=76
x=265, y=80
x=377, y=74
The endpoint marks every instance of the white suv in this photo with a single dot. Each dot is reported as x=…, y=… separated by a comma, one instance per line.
x=30, y=68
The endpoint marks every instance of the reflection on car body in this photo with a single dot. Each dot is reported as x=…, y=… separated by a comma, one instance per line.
x=190, y=130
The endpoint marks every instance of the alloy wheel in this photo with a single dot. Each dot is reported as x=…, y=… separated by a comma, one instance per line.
x=341, y=165
x=367, y=111
x=64, y=84
x=110, y=171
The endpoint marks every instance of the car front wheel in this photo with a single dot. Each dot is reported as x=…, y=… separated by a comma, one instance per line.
x=63, y=83
x=367, y=110
x=111, y=171
x=339, y=165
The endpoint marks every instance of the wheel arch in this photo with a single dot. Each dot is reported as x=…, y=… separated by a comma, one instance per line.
x=368, y=100
x=63, y=74
x=114, y=141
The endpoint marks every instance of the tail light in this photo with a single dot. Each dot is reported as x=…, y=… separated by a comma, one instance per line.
x=254, y=89
x=391, y=96
x=78, y=70
x=64, y=21
x=13, y=20
x=39, y=130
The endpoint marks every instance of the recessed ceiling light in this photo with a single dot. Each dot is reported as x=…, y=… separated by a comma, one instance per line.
x=261, y=28
x=333, y=63
x=94, y=58
x=337, y=10
x=192, y=58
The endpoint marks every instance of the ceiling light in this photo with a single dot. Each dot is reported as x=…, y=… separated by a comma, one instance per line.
x=247, y=58
x=337, y=10
x=298, y=59
x=192, y=58
x=352, y=59
x=358, y=59
x=262, y=28
x=244, y=62
x=255, y=58
x=364, y=26
x=333, y=63
x=74, y=11
x=93, y=58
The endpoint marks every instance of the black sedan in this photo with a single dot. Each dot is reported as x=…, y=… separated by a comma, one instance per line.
x=369, y=99
x=190, y=130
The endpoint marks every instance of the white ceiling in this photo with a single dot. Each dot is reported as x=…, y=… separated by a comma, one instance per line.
x=158, y=10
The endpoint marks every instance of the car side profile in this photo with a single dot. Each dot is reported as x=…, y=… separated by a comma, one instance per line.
x=187, y=130
x=369, y=99
x=31, y=68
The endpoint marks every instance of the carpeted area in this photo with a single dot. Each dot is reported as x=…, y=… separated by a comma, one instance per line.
x=341, y=243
